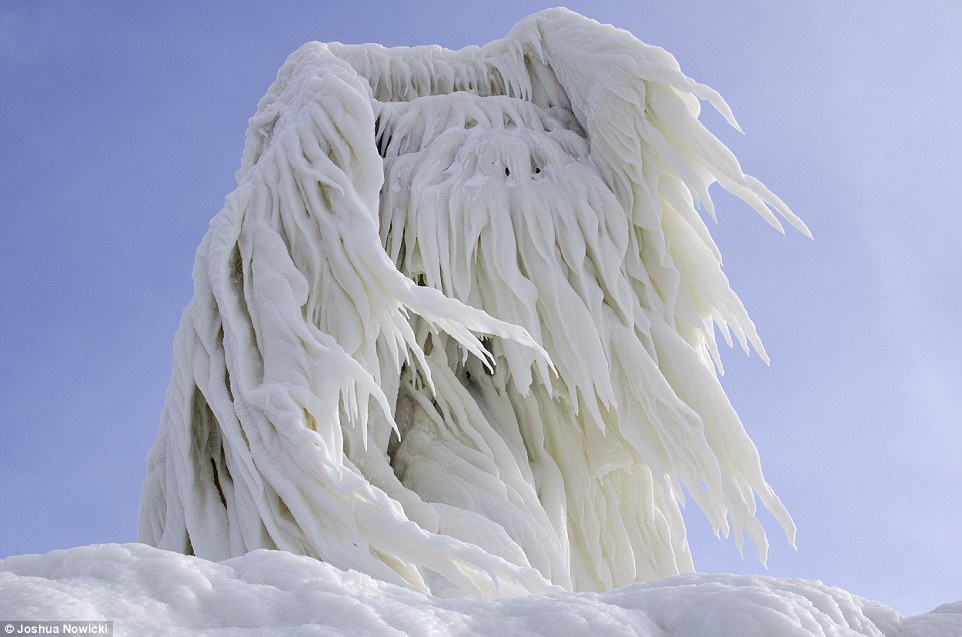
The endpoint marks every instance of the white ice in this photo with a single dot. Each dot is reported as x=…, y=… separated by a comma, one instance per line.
x=455, y=328
x=147, y=591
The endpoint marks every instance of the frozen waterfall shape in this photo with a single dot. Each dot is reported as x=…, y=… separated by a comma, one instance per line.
x=455, y=328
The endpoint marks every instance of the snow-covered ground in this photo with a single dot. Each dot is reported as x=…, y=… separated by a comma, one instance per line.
x=148, y=591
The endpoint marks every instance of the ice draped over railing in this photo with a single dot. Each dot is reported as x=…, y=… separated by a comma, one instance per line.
x=455, y=328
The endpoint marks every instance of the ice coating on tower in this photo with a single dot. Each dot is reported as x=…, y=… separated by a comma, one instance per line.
x=455, y=328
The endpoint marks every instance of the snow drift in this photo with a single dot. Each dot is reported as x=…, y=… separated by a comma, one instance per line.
x=146, y=591
x=455, y=328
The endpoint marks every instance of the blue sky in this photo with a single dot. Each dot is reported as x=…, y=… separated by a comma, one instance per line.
x=122, y=123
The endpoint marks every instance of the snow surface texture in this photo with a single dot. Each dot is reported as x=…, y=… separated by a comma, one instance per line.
x=455, y=328
x=147, y=591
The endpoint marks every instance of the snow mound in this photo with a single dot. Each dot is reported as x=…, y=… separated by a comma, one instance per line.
x=148, y=591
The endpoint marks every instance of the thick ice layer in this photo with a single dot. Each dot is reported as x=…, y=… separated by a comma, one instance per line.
x=456, y=326
x=146, y=591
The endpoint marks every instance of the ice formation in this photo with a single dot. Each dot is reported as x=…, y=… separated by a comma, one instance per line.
x=455, y=328
x=146, y=591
